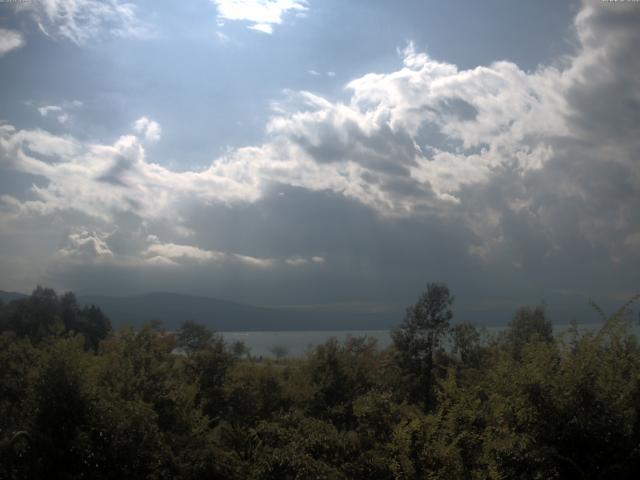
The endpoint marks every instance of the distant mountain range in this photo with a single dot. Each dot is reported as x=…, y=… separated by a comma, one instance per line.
x=225, y=316
x=7, y=297
x=220, y=315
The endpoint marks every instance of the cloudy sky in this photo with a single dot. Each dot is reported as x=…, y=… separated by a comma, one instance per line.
x=334, y=153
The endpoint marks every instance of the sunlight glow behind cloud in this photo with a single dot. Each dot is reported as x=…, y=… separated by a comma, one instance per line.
x=262, y=14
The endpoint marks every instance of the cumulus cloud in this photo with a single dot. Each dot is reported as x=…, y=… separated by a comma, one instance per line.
x=10, y=40
x=86, y=246
x=34, y=150
x=81, y=21
x=148, y=128
x=261, y=14
x=406, y=142
x=531, y=170
x=412, y=138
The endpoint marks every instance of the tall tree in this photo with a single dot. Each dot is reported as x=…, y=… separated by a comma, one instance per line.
x=419, y=338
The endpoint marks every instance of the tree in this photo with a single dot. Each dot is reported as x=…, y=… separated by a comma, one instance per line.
x=340, y=373
x=45, y=314
x=418, y=340
x=207, y=365
x=35, y=317
x=528, y=325
x=194, y=337
x=89, y=321
x=63, y=409
x=279, y=351
x=240, y=349
x=466, y=344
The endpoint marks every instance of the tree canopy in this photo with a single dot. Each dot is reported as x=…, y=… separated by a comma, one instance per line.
x=444, y=401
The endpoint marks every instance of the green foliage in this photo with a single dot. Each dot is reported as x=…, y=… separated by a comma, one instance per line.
x=467, y=344
x=207, y=365
x=88, y=321
x=44, y=314
x=340, y=373
x=418, y=342
x=528, y=325
x=298, y=447
x=152, y=404
x=254, y=392
x=19, y=368
x=194, y=337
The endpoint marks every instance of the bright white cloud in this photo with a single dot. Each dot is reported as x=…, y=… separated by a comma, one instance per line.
x=10, y=40
x=262, y=14
x=406, y=141
x=150, y=129
x=173, y=252
x=372, y=148
x=393, y=129
x=86, y=246
x=262, y=27
x=15, y=143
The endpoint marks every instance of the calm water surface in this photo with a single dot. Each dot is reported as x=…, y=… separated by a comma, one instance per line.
x=298, y=344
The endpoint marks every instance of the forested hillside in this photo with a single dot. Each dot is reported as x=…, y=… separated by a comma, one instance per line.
x=79, y=400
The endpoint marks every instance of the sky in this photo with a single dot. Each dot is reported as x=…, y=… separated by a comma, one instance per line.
x=323, y=153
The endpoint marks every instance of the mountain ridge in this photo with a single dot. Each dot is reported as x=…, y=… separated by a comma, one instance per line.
x=172, y=309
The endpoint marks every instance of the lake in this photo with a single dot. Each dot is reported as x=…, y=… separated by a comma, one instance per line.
x=298, y=343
